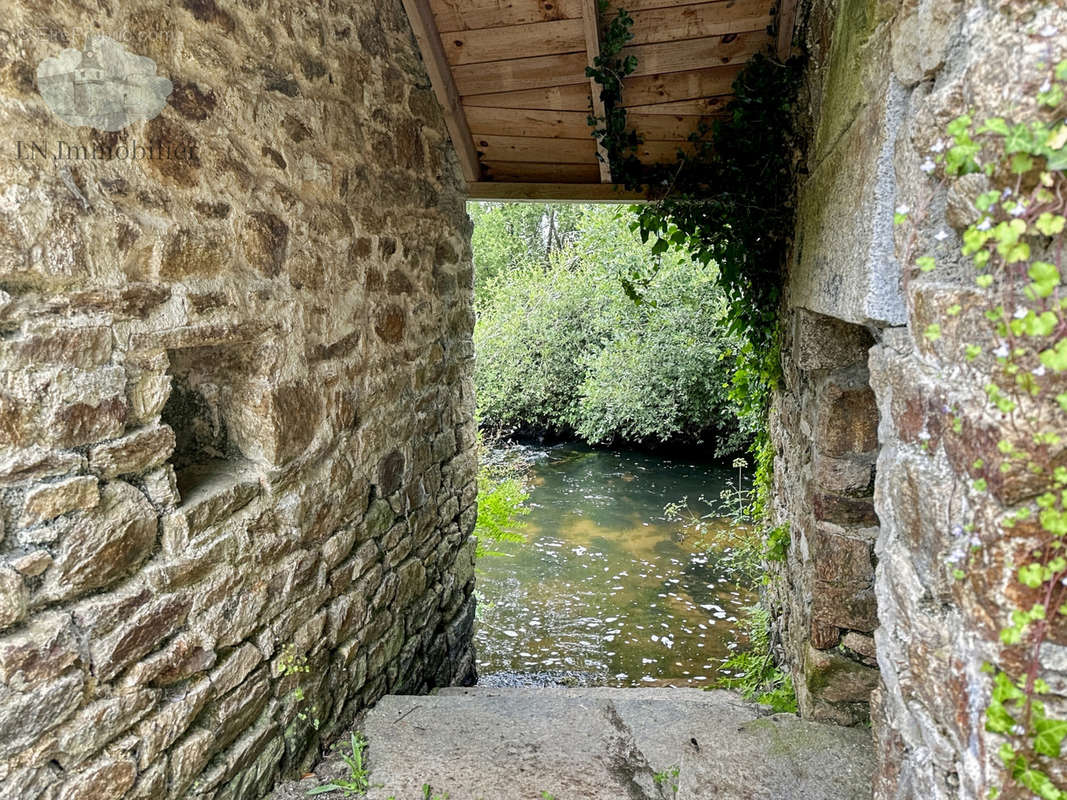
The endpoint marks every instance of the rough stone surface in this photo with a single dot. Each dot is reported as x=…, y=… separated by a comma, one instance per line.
x=868, y=576
x=603, y=744
x=48, y=501
x=202, y=394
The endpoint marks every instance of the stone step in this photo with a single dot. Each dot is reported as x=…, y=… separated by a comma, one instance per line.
x=608, y=744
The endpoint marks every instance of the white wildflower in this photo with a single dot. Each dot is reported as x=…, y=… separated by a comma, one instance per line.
x=1020, y=313
x=1002, y=351
x=985, y=224
x=941, y=235
x=1039, y=371
x=902, y=209
x=938, y=146
x=1046, y=86
x=1049, y=31
x=928, y=165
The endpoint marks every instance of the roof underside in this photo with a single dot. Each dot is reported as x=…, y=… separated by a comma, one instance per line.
x=510, y=75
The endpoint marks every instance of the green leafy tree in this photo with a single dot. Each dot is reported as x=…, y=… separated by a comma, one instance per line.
x=600, y=335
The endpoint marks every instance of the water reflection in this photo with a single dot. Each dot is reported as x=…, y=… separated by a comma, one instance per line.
x=604, y=587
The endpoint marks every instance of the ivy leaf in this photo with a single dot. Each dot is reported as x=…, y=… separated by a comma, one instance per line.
x=995, y=125
x=1045, y=279
x=1019, y=139
x=1057, y=160
x=925, y=263
x=1050, y=224
x=1055, y=358
x=1058, y=138
x=1021, y=163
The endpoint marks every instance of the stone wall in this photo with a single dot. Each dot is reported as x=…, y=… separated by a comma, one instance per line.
x=237, y=475
x=884, y=80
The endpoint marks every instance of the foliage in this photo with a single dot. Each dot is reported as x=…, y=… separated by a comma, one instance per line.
x=517, y=235
x=1015, y=246
x=293, y=663
x=733, y=527
x=563, y=349
x=752, y=671
x=357, y=781
x=668, y=777
x=502, y=496
x=728, y=200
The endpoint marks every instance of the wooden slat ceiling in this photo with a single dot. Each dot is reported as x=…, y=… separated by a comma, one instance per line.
x=510, y=75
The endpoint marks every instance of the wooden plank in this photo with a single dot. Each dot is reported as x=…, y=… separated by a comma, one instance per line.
x=675, y=86
x=459, y=15
x=514, y=41
x=591, y=21
x=661, y=152
x=656, y=59
x=653, y=60
x=554, y=192
x=519, y=74
x=529, y=171
x=652, y=127
x=708, y=107
x=701, y=20
x=787, y=15
x=557, y=98
x=422, y=23
x=633, y=6
x=536, y=148
x=529, y=122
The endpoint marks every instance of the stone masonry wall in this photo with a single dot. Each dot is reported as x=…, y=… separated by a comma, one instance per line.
x=237, y=476
x=885, y=79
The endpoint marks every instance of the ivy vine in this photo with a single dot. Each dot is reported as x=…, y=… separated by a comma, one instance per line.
x=727, y=198
x=1015, y=245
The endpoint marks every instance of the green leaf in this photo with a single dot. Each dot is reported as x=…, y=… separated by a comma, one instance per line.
x=1049, y=224
x=994, y=125
x=1021, y=163
x=1055, y=358
x=925, y=263
x=985, y=281
x=1050, y=736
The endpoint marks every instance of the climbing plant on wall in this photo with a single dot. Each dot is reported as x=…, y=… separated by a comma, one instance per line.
x=1013, y=176
x=727, y=198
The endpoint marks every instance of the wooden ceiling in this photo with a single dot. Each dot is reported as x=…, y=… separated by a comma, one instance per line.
x=510, y=75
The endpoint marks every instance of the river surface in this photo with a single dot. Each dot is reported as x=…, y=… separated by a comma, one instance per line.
x=605, y=590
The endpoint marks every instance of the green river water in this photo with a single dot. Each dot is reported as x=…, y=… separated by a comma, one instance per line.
x=605, y=591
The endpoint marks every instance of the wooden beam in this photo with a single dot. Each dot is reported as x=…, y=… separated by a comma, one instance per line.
x=591, y=21
x=521, y=73
x=661, y=127
x=554, y=192
x=529, y=122
x=514, y=41
x=533, y=172
x=675, y=86
x=424, y=27
x=574, y=97
x=655, y=59
x=461, y=15
x=706, y=107
x=787, y=17
x=536, y=148
x=701, y=20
